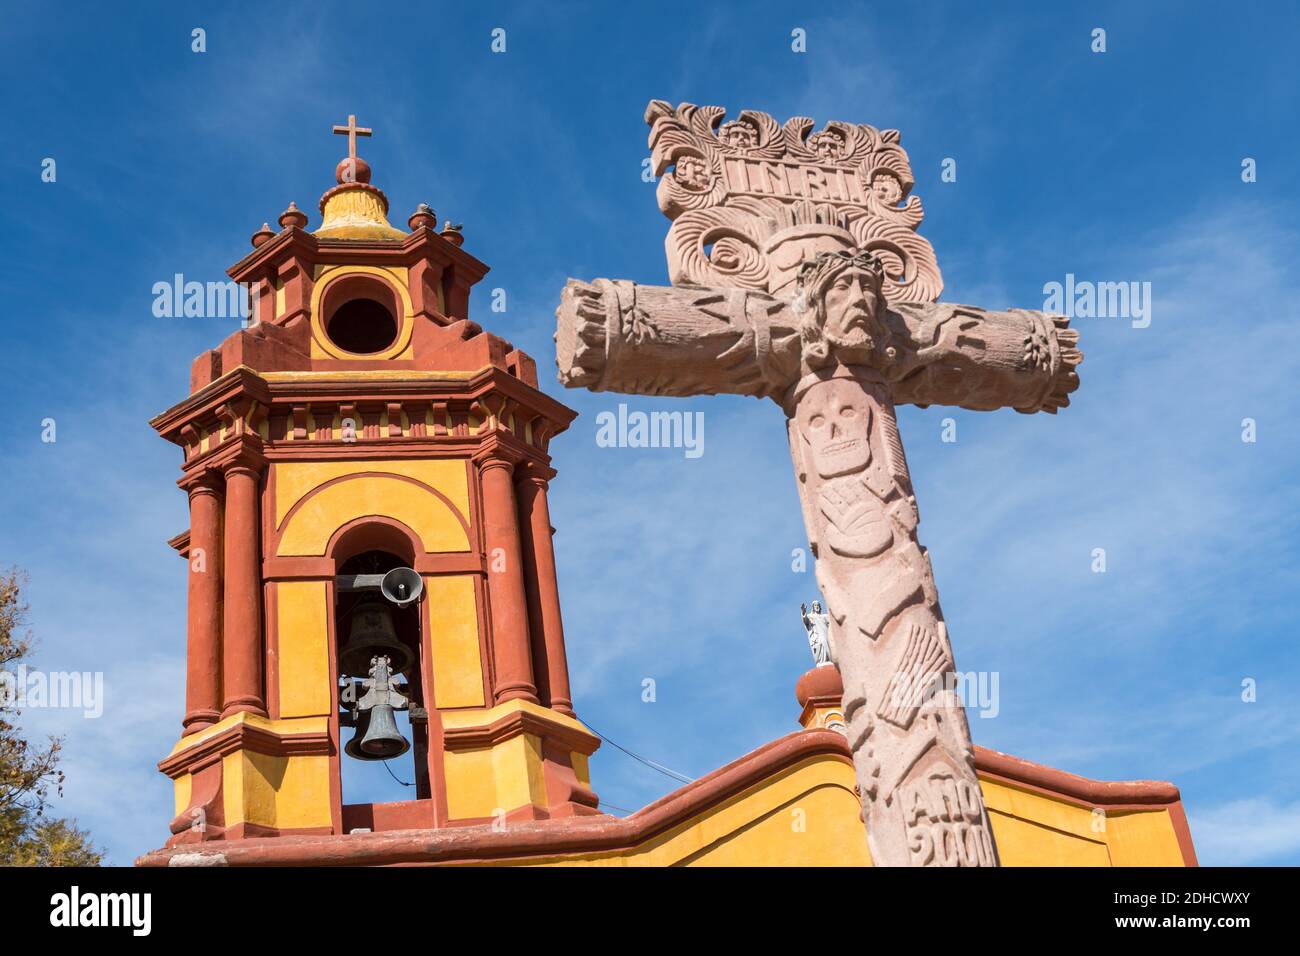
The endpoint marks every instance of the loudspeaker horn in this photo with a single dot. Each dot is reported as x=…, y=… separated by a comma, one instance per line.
x=402, y=586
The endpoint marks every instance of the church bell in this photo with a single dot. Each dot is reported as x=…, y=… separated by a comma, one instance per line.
x=377, y=736
x=373, y=634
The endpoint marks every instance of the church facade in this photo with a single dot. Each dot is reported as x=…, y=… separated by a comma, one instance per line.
x=365, y=425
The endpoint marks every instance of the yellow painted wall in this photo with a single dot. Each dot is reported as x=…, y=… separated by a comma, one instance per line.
x=1032, y=829
x=1142, y=838
x=471, y=784
x=302, y=636
x=308, y=530
x=581, y=768
x=285, y=792
x=488, y=781
x=182, y=787
x=451, y=621
x=509, y=774
x=394, y=278
x=807, y=815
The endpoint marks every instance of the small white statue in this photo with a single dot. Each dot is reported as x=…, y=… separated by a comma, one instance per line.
x=818, y=625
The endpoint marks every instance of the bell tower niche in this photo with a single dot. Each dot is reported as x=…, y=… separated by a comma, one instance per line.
x=370, y=569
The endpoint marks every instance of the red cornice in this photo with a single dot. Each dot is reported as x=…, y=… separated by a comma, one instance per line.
x=514, y=724
x=296, y=568
x=1093, y=793
x=243, y=736
x=247, y=450
x=525, y=840
x=181, y=543
x=373, y=449
x=486, y=382
x=207, y=402
x=218, y=404
x=420, y=244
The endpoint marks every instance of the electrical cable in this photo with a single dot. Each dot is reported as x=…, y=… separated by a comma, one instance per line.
x=393, y=775
x=619, y=809
x=666, y=771
x=679, y=777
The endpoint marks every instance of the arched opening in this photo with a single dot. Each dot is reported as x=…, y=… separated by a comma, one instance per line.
x=360, y=314
x=368, y=627
x=363, y=326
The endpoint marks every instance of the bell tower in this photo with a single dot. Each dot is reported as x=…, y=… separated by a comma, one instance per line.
x=367, y=472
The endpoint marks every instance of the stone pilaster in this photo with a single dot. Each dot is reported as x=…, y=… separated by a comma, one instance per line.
x=511, y=650
x=203, y=673
x=549, y=661
x=242, y=651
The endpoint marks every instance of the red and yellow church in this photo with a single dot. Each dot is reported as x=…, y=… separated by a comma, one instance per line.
x=364, y=425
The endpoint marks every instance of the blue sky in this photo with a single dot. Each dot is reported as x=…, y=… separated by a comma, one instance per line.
x=1120, y=166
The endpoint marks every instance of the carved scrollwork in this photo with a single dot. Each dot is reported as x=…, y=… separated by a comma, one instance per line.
x=911, y=269
x=717, y=247
x=890, y=158
x=693, y=182
x=852, y=176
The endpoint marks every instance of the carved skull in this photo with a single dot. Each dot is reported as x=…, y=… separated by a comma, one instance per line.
x=835, y=421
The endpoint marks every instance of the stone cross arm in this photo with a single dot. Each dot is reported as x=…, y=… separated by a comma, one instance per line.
x=618, y=336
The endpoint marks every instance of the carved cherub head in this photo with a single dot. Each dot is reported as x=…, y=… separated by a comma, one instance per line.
x=692, y=172
x=828, y=145
x=739, y=134
x=841, y=296
x=886, y=187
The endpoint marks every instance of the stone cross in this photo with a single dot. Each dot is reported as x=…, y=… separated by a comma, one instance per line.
x=798, y=275
x=352, y=131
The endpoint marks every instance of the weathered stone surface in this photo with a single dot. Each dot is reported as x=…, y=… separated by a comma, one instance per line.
x=618, y=336
x=798, y=276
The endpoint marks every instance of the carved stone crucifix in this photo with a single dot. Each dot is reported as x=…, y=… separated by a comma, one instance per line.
x=798, y=275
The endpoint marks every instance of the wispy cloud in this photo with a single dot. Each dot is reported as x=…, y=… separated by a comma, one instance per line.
x=1254, y=830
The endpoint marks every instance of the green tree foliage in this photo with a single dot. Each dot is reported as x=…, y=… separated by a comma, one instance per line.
x=28, y=837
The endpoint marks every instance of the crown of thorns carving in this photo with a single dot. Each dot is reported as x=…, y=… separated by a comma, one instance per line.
x=815, y=272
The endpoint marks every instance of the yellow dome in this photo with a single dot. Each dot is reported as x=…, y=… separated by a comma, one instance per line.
x=356, y=211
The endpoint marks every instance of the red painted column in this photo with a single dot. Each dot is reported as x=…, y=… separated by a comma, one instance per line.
x=203, y=651
x=551, y=665
x=242, y=638
x=510, y=648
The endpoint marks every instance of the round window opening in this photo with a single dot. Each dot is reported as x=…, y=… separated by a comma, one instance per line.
x=362, y=326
